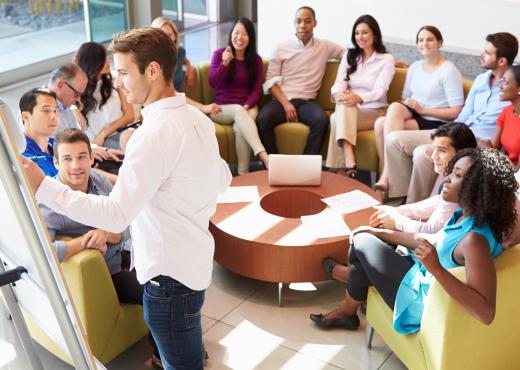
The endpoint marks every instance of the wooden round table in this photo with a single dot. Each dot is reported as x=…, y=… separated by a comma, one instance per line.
x=266, y=239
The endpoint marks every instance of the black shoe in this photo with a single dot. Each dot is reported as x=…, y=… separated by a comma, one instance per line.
x=328, y=265
x=344, y=322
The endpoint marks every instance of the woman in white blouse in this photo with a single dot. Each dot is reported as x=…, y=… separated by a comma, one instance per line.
x=363, y=78
x=105, y=107
x=432, y=95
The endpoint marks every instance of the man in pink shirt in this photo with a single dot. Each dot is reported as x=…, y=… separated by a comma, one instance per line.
x=294, y=78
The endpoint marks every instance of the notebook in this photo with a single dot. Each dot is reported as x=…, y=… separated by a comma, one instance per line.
x=295, y=170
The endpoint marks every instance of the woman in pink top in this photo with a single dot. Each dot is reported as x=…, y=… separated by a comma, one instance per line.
x=363, y=78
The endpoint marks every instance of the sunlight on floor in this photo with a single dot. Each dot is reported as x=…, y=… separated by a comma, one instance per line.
x=8, y=353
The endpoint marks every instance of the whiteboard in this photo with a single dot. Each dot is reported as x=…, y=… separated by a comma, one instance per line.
x=24, y=241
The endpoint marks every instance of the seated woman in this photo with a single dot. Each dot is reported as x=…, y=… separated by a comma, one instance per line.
x=507, y=132
x=363, y=78
x=432, y=94
x=427, y=216
x=180, y=79
x=236, y=74
x=105, y=108
x=482, y=182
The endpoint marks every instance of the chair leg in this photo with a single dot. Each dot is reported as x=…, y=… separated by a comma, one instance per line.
x=373, y=178
x=369, y=334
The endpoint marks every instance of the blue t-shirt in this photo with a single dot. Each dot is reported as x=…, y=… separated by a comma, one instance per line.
x=43, y=159
x=409, y=301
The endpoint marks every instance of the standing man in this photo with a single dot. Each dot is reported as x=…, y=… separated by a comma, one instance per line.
x=166, y=189
x=294, y=78
x=408, y=153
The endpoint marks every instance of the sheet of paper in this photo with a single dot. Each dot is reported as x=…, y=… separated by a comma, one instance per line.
x=351, y=201
x=239, y=194
x=326, y=224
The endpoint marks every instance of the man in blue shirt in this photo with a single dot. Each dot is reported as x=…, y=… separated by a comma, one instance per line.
x=40, y=116
x=408, y=152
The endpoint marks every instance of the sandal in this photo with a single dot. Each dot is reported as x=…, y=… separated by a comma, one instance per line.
x=351, y=171
x=350, y=322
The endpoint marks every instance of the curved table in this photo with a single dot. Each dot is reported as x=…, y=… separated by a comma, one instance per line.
x=266, y=239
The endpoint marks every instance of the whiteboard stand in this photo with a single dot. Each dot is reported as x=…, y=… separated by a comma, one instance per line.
x=41, y=292
x=19, y=323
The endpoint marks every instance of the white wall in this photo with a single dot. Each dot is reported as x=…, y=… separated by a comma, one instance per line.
x=463, y=23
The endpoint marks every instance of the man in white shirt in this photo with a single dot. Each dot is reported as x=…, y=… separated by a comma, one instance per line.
x=294, y=78
x=166, y=189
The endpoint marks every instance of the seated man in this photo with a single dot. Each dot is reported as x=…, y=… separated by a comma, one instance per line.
x=294, y=78
x=408, y=153
x=73, y=160
x=40, y=116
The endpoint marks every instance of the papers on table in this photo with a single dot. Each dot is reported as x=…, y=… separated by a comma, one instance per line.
x=326, y=224
x=238, y=194
x=351, y=201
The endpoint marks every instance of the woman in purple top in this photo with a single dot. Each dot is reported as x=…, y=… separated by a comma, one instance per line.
x=236, y=75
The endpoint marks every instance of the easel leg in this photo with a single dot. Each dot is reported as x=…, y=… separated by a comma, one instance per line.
x=19, y=324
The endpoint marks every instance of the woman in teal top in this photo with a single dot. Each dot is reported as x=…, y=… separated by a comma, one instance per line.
x=482, y=182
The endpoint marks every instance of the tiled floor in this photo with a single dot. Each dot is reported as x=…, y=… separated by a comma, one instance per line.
x=244, y=328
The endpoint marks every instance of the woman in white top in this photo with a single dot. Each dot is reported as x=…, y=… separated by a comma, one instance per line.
x=432, y=95
x=105, y=107
x=362, y=82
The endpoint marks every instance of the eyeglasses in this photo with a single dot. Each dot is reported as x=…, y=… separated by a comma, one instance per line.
x=77, y=94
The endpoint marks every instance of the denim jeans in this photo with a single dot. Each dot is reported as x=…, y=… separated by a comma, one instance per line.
x=172, y=312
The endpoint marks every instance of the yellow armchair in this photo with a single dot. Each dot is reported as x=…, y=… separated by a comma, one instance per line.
x=110, y=327
x=449, y=337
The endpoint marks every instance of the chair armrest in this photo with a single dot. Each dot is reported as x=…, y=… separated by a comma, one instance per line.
x=94, y=295
x=453, y=339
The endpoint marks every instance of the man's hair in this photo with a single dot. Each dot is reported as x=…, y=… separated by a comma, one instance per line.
x=66, y=72
x=28, y=100
x=159, y=22
x=305, y=7
x=147, y=45
x=460, y=135
x=70, y=136
x=506, y=45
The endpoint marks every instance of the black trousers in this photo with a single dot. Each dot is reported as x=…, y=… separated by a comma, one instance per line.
x=309, y=113
x=130, y=291
x=374, y=262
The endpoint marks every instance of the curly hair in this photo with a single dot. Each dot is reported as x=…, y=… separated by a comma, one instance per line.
x=488, y=190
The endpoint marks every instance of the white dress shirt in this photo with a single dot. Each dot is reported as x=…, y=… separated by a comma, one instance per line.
x=166, y=190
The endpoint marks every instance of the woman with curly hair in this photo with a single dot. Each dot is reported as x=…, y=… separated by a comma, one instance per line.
x=105, y=107
x=482, y=182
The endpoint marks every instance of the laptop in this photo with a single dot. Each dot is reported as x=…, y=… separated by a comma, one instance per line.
x=295, y=170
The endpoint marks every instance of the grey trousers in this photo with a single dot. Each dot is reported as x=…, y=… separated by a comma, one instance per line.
x=410, y=167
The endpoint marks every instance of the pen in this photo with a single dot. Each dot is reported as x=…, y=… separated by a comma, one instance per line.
x=37, y=158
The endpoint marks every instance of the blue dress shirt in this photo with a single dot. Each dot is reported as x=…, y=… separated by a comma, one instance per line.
x=43, y=159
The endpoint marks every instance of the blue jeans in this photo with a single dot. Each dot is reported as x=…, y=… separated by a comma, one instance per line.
x=172, y=312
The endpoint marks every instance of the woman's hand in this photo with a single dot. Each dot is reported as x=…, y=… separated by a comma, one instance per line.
x=99, y=139
x=347, y=98
x=384, y=217
x=191, y=76
x=427, y=254
x=414, y=105
x=227, y=56
x=211, y=108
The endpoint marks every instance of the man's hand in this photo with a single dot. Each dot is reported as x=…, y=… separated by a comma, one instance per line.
x=227, y=56
x=291, y=114
x=96, y=239
x=211, y=108
x=80, y=118
x=33, y=172
x=384, y=217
